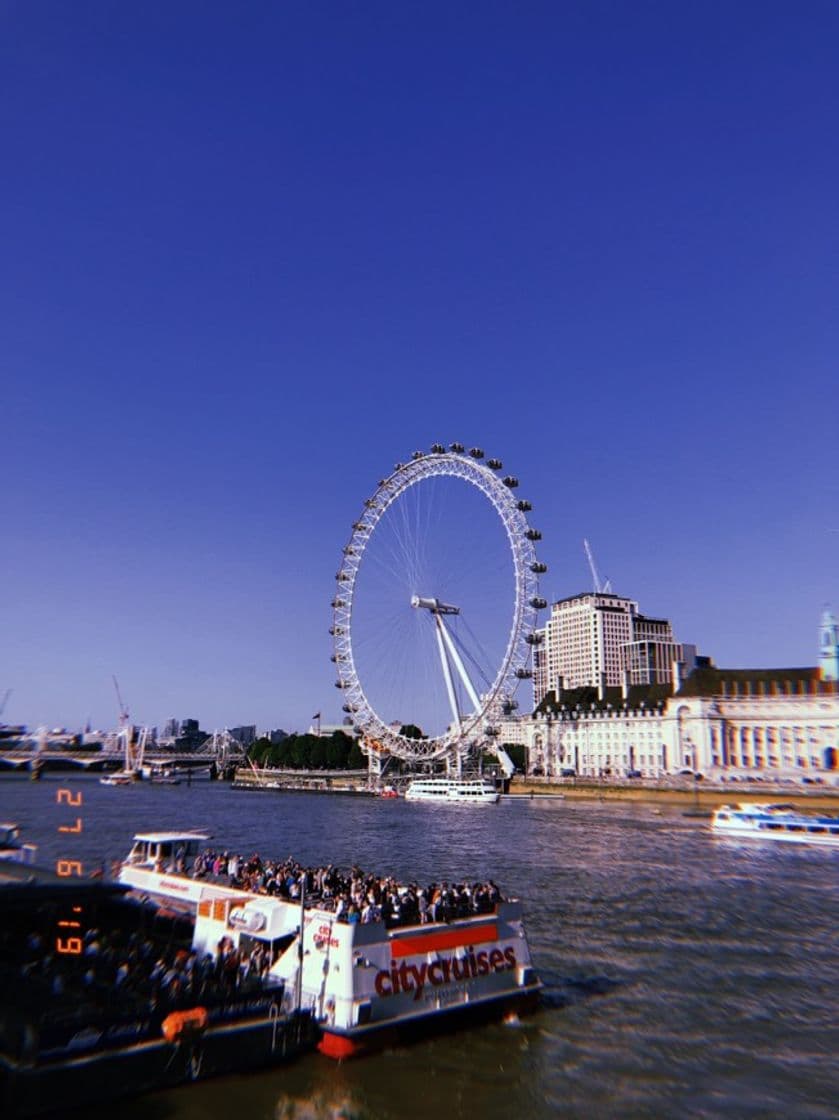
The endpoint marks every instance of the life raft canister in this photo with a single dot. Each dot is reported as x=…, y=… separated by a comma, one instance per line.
x=184, y=1024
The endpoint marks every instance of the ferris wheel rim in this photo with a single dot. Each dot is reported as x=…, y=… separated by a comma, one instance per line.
x=469, y=468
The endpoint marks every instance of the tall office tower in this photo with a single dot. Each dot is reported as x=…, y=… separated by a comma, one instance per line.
x=829, y=648
x=172, y=728
x=594, y=638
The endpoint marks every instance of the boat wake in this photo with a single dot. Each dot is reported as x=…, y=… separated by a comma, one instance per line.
x=320, y=1106
x=564, y=991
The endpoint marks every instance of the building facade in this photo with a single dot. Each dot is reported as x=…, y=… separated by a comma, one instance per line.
x=772, y=723
x=596, y=638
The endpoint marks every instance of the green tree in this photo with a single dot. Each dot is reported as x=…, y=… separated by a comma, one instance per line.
x=284, y=753
x=411, y=731
x=261, y=750
x=337, y=750
x=317, y=754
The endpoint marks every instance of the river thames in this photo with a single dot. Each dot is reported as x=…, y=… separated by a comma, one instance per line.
x=685, y=976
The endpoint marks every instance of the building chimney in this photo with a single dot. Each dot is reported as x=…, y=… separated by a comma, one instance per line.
x=601, y=687
x=559, y=690
x=625, y=686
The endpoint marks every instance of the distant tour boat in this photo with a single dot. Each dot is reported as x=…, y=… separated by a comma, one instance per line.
x=473, y=791
x=775, y=822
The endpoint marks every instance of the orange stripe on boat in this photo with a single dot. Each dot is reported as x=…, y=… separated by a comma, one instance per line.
x=338, y=1046
x=442, y=939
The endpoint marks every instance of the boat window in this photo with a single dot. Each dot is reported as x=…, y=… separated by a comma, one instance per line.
x=816, y=828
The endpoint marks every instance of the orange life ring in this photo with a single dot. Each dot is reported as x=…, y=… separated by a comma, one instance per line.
x=184, y=1024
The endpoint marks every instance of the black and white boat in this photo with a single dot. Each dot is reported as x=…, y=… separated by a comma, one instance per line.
x=71, y=1035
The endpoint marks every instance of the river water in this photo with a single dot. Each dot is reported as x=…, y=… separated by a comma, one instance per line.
x=686, y=976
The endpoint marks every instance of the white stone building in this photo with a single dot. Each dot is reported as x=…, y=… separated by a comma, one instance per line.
x=774, y=723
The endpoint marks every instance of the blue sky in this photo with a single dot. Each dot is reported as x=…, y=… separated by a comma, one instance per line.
x=252, y=255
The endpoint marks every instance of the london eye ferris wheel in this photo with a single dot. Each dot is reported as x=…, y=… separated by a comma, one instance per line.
x=436, y=607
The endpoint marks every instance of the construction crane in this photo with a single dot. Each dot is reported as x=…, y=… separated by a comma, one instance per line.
x=123, y=710
x=601, y=587
x=9, y=692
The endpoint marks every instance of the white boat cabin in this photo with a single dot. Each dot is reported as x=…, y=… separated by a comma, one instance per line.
x=166, y=851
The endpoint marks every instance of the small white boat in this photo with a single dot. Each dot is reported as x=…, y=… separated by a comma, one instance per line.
x=159, y=774
x=120, y=778
x=463, y=791
x=755, y=820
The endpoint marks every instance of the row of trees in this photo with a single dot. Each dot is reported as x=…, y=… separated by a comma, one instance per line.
x=337, y=751
x=310, y=752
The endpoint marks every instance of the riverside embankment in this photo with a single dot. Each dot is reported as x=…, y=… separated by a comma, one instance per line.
x=700, y=794
x=704, y=795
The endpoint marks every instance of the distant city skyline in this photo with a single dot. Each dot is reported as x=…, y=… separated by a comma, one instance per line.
x=826, y=660
x=251, y=259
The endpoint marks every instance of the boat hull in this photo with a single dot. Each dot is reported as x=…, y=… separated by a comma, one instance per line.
x=359, y=1041
x=453, y=791
x=73, y=1077
x=820, y=840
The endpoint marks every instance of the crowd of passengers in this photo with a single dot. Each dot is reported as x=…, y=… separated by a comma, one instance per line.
x=132, y=967
x=353, y=895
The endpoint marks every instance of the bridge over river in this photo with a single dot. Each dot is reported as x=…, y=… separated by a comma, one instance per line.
x=100, y=761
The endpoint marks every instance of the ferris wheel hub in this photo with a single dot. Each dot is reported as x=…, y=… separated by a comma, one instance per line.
x=433, y=605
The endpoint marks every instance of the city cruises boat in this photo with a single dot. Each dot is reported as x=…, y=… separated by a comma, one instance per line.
x=66, y=1042
x=775, y=822
x=12, y=847
x=366, y=984
x=463, y=791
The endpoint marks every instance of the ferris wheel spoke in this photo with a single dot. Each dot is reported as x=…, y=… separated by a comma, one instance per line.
x=469, y=656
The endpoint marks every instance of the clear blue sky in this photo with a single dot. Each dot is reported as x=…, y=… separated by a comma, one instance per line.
x=252, y=255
